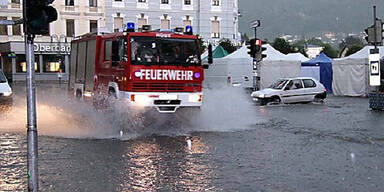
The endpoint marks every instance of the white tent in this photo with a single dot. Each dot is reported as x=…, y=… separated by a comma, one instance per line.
x=297, y=56
x=239, y=67
x=277, y=65
x=351, y=74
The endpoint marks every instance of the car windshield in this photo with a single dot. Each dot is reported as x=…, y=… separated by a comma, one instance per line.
x=279, y=84
x=2, y=77
x=161, y=51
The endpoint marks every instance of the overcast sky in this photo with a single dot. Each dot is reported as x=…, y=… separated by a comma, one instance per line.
x=305, y=17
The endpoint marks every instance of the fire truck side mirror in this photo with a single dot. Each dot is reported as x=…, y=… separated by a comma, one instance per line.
x=205, y=66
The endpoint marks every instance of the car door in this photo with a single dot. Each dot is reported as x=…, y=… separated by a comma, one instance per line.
x=310, y=89
x=294, y=92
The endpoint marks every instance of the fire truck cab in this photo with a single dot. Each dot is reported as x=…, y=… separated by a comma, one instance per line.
x=160, y=69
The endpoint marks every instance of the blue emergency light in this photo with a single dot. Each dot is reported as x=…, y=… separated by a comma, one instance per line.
x=188, y=30
x=130, y=27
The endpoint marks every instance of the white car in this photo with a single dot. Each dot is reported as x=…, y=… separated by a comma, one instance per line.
x=291, y=90
x=5, y=90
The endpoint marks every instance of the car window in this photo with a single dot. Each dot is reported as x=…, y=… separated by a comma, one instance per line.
x=279, y=84
x=2, y=78
x=308, y=83
x=295, y=84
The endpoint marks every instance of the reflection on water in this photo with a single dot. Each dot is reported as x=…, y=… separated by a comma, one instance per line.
x=12, y=163
x=167, y=164
x=146, y=164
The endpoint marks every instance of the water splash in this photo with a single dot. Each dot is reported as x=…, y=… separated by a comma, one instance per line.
x=226, y=109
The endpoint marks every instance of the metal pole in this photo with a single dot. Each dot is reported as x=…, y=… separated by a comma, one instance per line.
x=255, y=62
x=374, y=27
x=33, y=181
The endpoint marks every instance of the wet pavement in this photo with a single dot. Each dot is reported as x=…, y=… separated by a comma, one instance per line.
x=235, y=146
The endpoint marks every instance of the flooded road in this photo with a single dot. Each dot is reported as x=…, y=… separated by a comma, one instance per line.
x=234, y=146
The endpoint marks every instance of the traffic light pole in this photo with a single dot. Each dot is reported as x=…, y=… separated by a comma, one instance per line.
x=255, y=63
x=33, y=179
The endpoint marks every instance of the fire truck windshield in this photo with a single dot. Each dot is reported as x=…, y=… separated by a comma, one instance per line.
x=164, y=51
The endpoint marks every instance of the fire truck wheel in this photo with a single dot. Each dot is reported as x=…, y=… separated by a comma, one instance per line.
x=112, y=93
x=78, y=94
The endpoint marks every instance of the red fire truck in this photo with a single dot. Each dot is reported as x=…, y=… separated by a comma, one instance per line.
x=159, y=69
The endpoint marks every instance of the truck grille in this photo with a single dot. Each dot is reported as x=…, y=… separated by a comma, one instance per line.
x=158, y=86
x=167, y=102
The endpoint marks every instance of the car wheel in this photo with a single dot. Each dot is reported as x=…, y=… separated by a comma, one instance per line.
x=275, y=100
x=320, y=97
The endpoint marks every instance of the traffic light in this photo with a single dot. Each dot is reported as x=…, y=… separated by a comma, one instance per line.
x=251, y=48
x=37, y=16
x=259, y=54
x=370, y=31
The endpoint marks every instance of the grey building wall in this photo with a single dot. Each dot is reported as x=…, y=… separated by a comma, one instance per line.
x=201, y=15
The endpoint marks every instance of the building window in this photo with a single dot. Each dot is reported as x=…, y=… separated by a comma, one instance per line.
x=21, y=65
x=187, y=21
x=216, y=2
x=142, y=1
x=141, y=21
x=165, y=23
x=53, y=63
x=215, y=30
x=187, y=2
x=69, y=3
x=93, y=26
x=70, y=27
x=117, y=23
x=3, y=28
x=93, y=3
x=164, y=1
x=119, y=0
x=15, y=1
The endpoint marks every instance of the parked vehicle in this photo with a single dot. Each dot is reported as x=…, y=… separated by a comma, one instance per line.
x=5, y=90
x=291, y=90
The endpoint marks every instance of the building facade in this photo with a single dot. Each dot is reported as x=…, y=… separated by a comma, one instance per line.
x=75, y=17
x=211, y=19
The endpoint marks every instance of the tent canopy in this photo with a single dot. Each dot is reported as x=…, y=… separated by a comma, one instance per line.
x=218, y=52
x=297, y=56
x=325, y=66
x=320, y=59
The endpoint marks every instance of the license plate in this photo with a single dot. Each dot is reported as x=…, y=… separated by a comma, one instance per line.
x=168, y=97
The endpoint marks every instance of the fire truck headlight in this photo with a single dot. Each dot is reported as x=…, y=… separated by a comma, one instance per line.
x=7, y=94
x=87, y=94
x=138, y=74
x=141, y=99
x=195, y=98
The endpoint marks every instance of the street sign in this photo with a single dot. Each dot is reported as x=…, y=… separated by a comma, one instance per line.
x=374, y=67
x=255, y=24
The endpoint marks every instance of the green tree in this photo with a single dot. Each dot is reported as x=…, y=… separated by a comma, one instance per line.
x=315, y=41
x=353, y=49
x=351, y=41
x=330, y=51
x=202, y=46
x=245, y=37
x=227, y=45
x=283, y=46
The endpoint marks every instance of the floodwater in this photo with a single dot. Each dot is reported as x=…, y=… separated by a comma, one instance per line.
x=229, y=145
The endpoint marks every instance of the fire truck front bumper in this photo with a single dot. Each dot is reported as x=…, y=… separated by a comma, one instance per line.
x=163, y=102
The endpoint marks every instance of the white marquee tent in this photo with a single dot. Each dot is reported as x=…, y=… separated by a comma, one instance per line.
x=351, y=74
x=277, y=65
x=239, y=66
